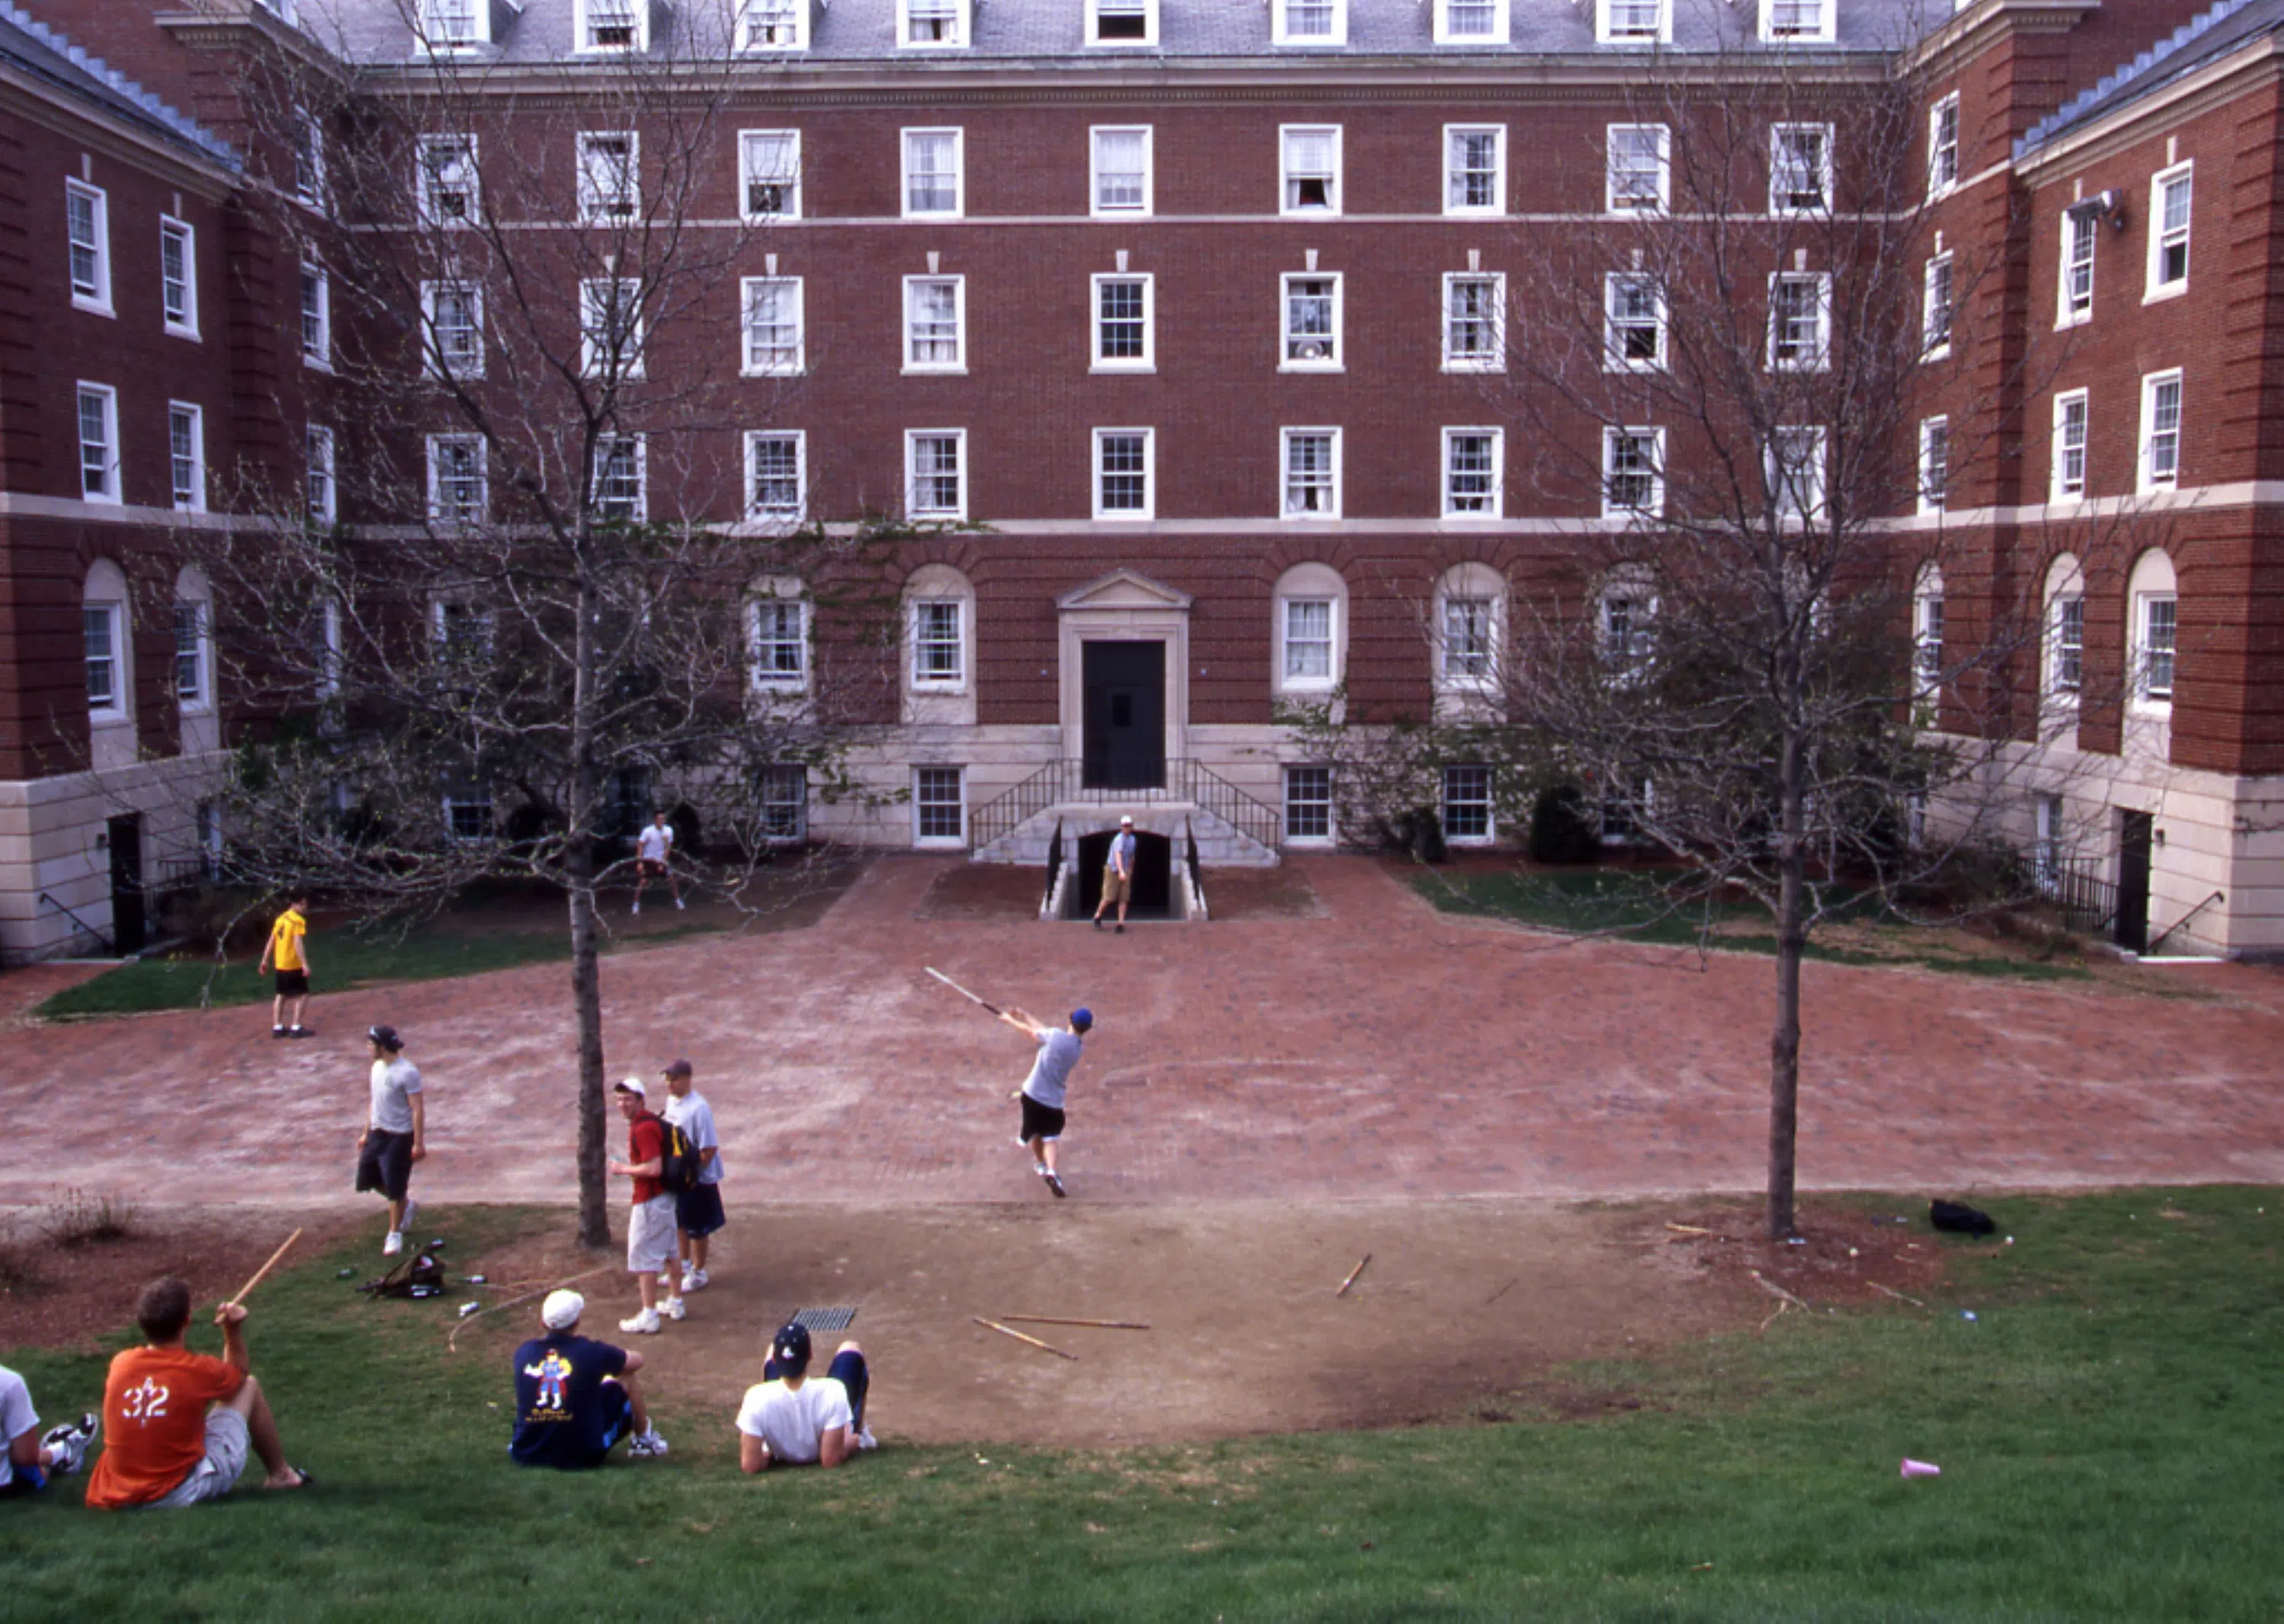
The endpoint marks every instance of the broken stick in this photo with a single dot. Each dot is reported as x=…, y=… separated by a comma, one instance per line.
x=1687, y=1229
x=1774, y=1290
x=1019, y=1336
x=1503, y=1290
x=1897, y=1295
x=261, y=1273
x=1043, y=1319
x=1353, y=1273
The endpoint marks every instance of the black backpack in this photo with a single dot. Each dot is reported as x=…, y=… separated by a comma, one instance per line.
x=1958, y=1219
x=678, y=1169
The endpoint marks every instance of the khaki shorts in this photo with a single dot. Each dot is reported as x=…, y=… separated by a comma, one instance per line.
x=1115, y=885
x=227, y=1442
x=650, y=1236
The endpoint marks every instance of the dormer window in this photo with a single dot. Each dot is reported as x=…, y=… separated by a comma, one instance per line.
x=1310, y=22
x=1632, y=22
x=933, y=25
x=773, y=25
x=1802, y=22
x=1471, y=22
x=1121, y=22
x=454, y=25
x=613, y=25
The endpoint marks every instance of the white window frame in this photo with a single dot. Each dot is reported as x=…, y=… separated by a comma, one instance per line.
x=1096, y=206
x=2162, y=186
x=1933, y=492
x=440, y=362
x=2070, y=311
x=1494, y=500
x=2147, y=694
x=117, y=671
x=958, y=134
x=92, y=295
x=1621, y=22
x=793, y=14
x=751, y=364
x=1791, y=33
x=1287, y=207
x=912, y=509
x=588, y=16
x=2065, y=661
x=476, y=810
x=106, y=399
x=309, y=161
x=318, y=350
x=1819, y=356
x=477, y=512
x=1780, y=206
x=1943, y=146
x=1615, y=437
x=749, y=177
x=179, y=413
x=596, y=339
x=1790, y=500
x=1926, y=634
x=1147, y=361
x=183, y=291
x=321, y=497
x=920, y=806
x=2061, y=487
x=446, y=28
x=1497, y=34
x=1281, y=14
x=1147, y=10
x=1288, y=679
x=912, y=339
x=1938, y=305
x=1330, y=835
x=756, y=512
x=767, y=677
x=1149, y=474
x=1289, y=339
x=1330, y=483
x=1615, y=330
x=1450, y=678
x=1490, y=804
x=2152, y=475
x=615, y=508
x=1454, y=175
x=618, y=205
x=200, y=654
x=1615, y=201
x=1493, y=360
x=1629, y=645
x=964, y=616
x=961, y=13
x=429, y=186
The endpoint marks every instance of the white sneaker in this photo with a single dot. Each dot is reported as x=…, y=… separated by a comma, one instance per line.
x=393, y=1244
x=636, y=909
x=864, y=1439
x=698, y=1282
x=70, y=1444
x=674, y=1308
x=647, y=1444
x=643, y=1324
x=677, y=902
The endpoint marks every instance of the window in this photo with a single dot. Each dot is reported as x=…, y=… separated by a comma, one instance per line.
x=1934, y=309
x=768, y=165
x=611, y=329
x=1474, y=322
x=935, y=324
x=938, y=806
x=207, y=833
x=87, y=226
x=1466, y=643
x=1628, y=632
x=1312, y=473
x=1122, y=324
x=1307, y=804
x=1307, y=629
x=613, y=25
x=2080, y=228
x=1475, y=168
x=309, y=161
x=1800, y=169
x=1796, y=21
x=1312, y=324
x=1632, y=22
x=774, y=345
x=621, y=462
x=190, y=654
x=610, y=184
x=1935, y=464
x=1309, y=169
x=1633, y=336
x=2048, y=845
x=1943, y=146
x=1121, y=22
x=779, y=636
x=178, y=278
x=105, y=692
x=98, y=442
x=1638, y=174
x=1633, y=472
x=1309, y=646
x=2169, y=232
x=186, y=455
x=1473, y=473
x=1467, y=803
x=1927, y=629
x=939, y=642
x=316, y=319
x=1799, y=321
x=1309, y=22
x=2070, y=445
x=2161, y=430
x=2156, y=630
x=933, y=180
x=455, y=314
x=454, y=25
x=1471, y=22
x=317, y=473
x=783, y=806
x=773, y=25
x=1124, y=462
x=935, y=473
x=1795, y=473
x=457, y=492
x=450, y=189
x=2065, y=628
x=468, y=816
x=777, y=475
x=1121, y=166
x=932, y=24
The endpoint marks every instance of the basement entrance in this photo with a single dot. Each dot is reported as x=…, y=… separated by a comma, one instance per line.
x=1154, y=876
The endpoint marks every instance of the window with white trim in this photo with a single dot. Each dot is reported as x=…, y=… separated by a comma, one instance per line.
x=1308, y=22
x=1475, y=168
x=2065, y=627
x=1467, y=648
x=1626, y=629
x=773, y=25
x=1312, y=337
x=2170, y=193
x=621, y=490
x=1308, y=805
x=1309, y=169
x=450, y=188
x=776, y=474
x=932, y=25
x=1633, y=22
x=102, y=647
x=1796, y=22
x=777, y=631
x=1633, y=330
x=468, y=816
x=611, y=328
x=1123, y=338
x=1799, y=321
x=1121, y=22
x=2161, y=430
x=1309, y=648
x=459, y=484
x=2081, y=229
x=1126, y=464
x=2070, y=424
x=1935, y=309
x=935, y=473
x=1471, y=22
x=317, y=473
x=1926, y=628
x=1943, y=146
x=1800, y=170
x=2156, y=636
x=308, y=138
x=1312, y=473
x=190, y=655
x=98, y=442
x=935, y=324
x=1935, y=464
x=939, y=806
x=178, y=277
x=1633, y=472
x=1467, y=804
x=775, y=343
x=783, y=803
x=453, y=24
x=769, y=175
x=1637, y=173
x=1119, y=159
x=933, y=174
x=186, y=456
x=610, y=180
x=1473, y=473
x=617, y=25
x=1796, y=472
x=316, y=318
x=939, y=642
x=454, y=315
x=1474, y=322
x=87, y=232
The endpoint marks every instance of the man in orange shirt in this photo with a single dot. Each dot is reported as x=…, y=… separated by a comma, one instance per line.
x=287, y=945
x=176, y=1423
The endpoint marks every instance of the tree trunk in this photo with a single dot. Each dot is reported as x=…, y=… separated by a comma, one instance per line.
x=587, y=998
x=1784, y=1040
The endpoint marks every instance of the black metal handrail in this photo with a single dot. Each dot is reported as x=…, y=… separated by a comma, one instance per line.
x=2159, y=941
x=1064, y=783
x=101, y=936
x=2088, y=901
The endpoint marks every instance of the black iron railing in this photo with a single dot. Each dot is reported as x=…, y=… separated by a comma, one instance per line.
x=104, y=937
x=2159, y=940
x=2088, y=901
x=1185, y=780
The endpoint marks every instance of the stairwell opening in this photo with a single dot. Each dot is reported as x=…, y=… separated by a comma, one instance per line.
x=1155, y=894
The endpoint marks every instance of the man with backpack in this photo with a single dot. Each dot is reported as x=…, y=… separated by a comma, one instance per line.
x=650, y=1222
x=697, y=1208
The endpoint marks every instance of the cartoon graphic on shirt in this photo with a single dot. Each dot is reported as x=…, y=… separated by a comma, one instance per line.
x=553, y=1373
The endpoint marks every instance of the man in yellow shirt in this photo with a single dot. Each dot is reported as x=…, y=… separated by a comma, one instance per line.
x=288, y=948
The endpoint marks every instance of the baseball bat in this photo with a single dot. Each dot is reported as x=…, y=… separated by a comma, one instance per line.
x=962, y=991
x=1019, y=1336
x=261, y=1273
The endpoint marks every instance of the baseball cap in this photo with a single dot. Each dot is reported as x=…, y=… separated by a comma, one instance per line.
x=677, y=1068
x=1126, y=822
x=562, y=1309
x=385, y=1036
x=1080, y=1019
x=632, y=1085
x=790, y=1346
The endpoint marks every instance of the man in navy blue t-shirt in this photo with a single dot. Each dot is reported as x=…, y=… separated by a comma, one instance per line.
x=574, y=1399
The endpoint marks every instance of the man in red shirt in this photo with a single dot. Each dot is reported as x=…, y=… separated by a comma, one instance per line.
x=649, y=1225
x=175, y=1424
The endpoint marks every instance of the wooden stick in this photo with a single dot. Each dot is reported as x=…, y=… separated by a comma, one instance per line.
x=1353, y=1273
x=452, y=1342
x=1897, y=1295
x=1687, y=1229
x=261, y=1273
x=1043, y=1319
x=1774, y=1290
x=1503, y=1290
x=1019, y=1336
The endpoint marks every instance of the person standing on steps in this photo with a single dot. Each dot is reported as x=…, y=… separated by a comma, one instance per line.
x=288, y=948
x=396, y=1134
x=1118, y=875
x=655, y=859
x=1043, y=1090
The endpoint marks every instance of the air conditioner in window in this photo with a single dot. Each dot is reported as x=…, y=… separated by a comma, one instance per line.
x=1312, y=352
x=2108, y=204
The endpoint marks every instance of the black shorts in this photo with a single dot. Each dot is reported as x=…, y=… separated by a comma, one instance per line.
x=698, y=1210
x=293, y=983
x=386, y=1163
x=648, y=870
x=1041, y=1122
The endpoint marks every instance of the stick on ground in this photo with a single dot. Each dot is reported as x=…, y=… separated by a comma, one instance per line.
x=1353, y=1273
x=1043, y=1319
x=1897, y=1295
x=1019, y=1336
x=1503, y=1290
x=262, y=1272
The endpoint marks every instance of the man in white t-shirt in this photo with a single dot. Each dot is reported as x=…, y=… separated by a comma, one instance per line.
x=791, y=1420
x=655, y=859
x=697, y=1211
x=395, y=1133
x=27, y=1459
x=1043, y=1091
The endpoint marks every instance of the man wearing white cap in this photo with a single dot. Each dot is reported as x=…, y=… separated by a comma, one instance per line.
x=574, y=1399
x=649, y=1221
x=1118, y=875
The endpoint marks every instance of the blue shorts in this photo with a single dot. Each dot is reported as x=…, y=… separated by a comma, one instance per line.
x=698, y=1210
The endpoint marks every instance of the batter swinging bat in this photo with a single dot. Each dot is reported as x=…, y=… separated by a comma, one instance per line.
x=962, y=991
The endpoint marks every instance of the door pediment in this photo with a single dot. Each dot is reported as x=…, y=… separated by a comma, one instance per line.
x=1123, y=588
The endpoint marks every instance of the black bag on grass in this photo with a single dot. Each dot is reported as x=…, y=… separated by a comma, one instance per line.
x=416, y=1277
x=1955, y=1219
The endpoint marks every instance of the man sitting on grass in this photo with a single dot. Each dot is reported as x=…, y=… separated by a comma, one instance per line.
x=574, y=1399
x=27, y=1458
x=178, y=1423
x=789, y=1420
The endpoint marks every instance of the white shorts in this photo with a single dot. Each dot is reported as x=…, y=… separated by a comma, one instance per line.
x=227, y=1442
x=650, y=1236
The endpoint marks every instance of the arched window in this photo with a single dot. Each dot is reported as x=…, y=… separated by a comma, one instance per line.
x=1926, y=628
x=1311, y=630
x=939, y=638
x=777, y=635
x=2063, y=621
x=1470, y=620
x=110, y=670
x=195, y=672
x=1625, y=623
x=2153, y=631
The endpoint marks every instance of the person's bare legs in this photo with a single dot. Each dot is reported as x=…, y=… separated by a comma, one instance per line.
x=697, y=1251
x=301, y=1001
x=262, y=1427
x=627, y=1379
x=646, y=1283
x=276, y=1012
x=397, y=1210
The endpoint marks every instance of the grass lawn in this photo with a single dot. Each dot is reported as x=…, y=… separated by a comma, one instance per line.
x=2110, y=1427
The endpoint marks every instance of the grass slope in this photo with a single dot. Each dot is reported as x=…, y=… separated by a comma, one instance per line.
x=2111, y=1430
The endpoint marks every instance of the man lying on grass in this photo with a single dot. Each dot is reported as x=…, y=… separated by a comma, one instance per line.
x=28, y=1459
x=176, y=1424
x=789, y=1420
x=575, y=1398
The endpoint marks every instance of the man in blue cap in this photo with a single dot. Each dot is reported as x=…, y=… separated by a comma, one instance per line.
x=1043, y=1090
